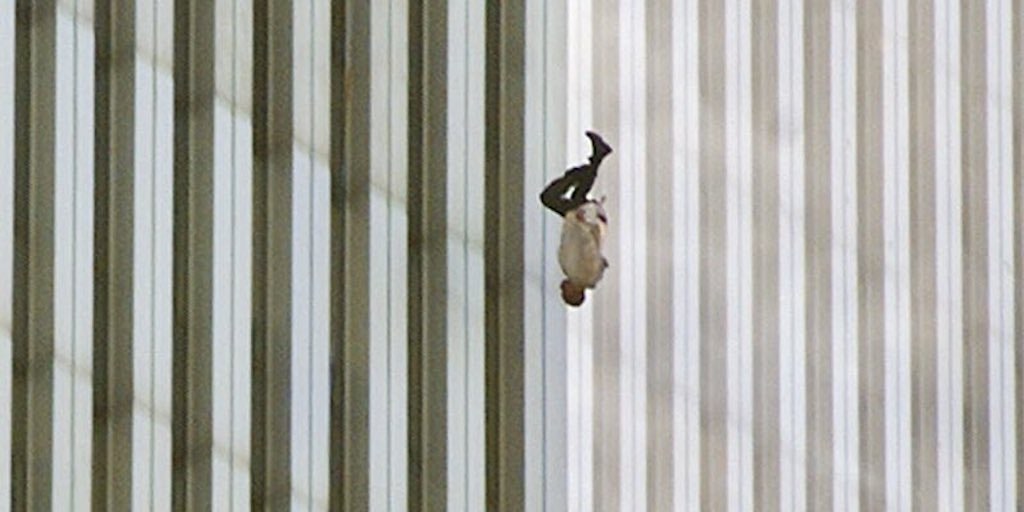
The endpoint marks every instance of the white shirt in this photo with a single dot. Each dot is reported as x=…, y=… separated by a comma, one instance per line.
x=579, y=253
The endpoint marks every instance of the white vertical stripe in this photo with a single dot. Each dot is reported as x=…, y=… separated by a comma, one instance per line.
x=398, y=257
x=379, y=385
x=579, y=323
x=628, y=465
x=574, y=327
x=302, y=273
x=309, y=389
x=72, y=264
x=896, y=214
x=223, y=291
x=843, y=130
x=585, y=15
x=310, y=386
x=685, y=261
x=474, y=201
x=573, y=321
x=458, y=450
x=222, y=294
x=466, y=450
x=792, y=314
x=83, y=246
x=302, y=335
x=142, y=283
x=539, y=247
x=554, y=365
x=638, y=141
x=6, y=240
x=161, y=204
x=999, y=112
x=633, y=252
x=232, y=271
x=692, y=159
x=242, y=386
x=318, y=380
x=154, y=110
x=746, y=211
x=738, y=255
x=948, y=257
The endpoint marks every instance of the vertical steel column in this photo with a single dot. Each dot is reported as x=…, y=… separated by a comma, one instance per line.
x=113, y=386
x=192, y=418
x=713, y=386
x=818, y=254
x=871, y=249
x=33, y=327
x=657, y=216
x=503, y=249
x=766, y=248
x=974, y=177
x=350, y=241
x=272, y=258
x=428, y=256
x=607, y=317
x=923, y=292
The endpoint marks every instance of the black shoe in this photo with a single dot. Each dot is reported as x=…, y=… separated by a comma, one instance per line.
x=600, y=147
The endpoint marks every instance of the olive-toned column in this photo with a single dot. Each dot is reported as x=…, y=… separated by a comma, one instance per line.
x=272, y=255
x=818, y=254
x=657, y=212
x=33, y=327
x=113, y=386
x=922, y=255
x=350, y=239
x=428, y=435
x=714, y=454
x=766, y=231
x=975, y=197
x=504, y=250
x=192, y=416
x=871, y=254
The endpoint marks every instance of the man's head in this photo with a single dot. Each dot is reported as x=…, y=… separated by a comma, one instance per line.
x=572, y=294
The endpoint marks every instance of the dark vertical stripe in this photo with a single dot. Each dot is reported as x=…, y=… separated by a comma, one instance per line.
x=271, y=255
x=192, y=418
x=32, y=351
x=818, y=236
x=503, y=250
x=765, y=225
x=606, y=303
x=428, y=369
x=659, y=254
x=713, y=386
x=871, y=255
x=924, y=445
x=975, y=262
x=338, y=158
x=350, y=243
x=113, y=390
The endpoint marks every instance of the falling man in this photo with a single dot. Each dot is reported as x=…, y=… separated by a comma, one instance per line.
x=585, y=224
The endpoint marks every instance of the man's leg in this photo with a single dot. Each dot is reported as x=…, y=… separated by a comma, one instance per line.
x=554, y=195
x=599, y=149
x=579, y=180
x=588, y=173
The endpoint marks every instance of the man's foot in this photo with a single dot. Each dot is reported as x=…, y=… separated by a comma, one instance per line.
x=600, y=147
